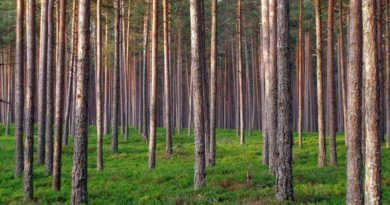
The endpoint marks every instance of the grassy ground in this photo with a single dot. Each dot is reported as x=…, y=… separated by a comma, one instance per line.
x=126, y=179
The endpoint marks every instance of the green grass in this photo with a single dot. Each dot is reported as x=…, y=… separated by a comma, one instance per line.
x=127, y=180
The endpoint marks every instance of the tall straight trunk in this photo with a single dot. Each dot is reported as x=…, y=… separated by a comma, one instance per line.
x=49, y=89
x=283, y=184
x=106, y=84
x=79, y=170
x=59, y=98
x=300, y=74
x=99, y=91
x=213, y=82
x=167, y=111
x=381, y=76
x=239, y=72
x=342, y=67
x=320, y=86
x=144, y=74
x=331, y=87
x=179, y=82
x=71, y=74
x=19, y=88
x=354, y=104
x=116, y=79
x=265, y=39
x=372, y=163
x=153, y=88
x=29, y=103
x=197, y=65
x=387, y=81
x=42, y=83
x=271, y=89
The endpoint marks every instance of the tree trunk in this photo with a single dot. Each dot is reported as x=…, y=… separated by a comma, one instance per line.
x=213, y=82
x=144, y=75
x=265, y=54
x=239, y=72
x=29, y=103
x=19, y=86
x=372, y=106
x=42, y=83
x=320, y=86
x=283, y=184
x=153, y=88
x=331, y=88
x=197, y=65
x=99, y=91
x=167, y=112
x=59, y=98
x=49, y=89
x=387, y=80
x=116, y=87
x=354, y=104
x=271, y=89
x=79, y=170
x=300, y=74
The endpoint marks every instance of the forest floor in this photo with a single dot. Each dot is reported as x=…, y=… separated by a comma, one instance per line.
x=127, y=180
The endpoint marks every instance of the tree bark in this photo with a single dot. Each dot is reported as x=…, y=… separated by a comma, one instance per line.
x=49, y=89
x=42, y=83
x=213, y=82
x=59, y=98
x=331, y=87
x=99, y=91
x=167, y=94
x=300, y=74
x=265, y=54
x=354, y=104
x=79, y=170
x=197, y=65
x=239, y=72
x=19, y=86
x=283, y=184
x=387, y=80
x=29, y=103
x=153, y=88
x=372, y=105
x=116, y=87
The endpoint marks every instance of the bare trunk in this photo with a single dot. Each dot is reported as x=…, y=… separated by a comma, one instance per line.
x=239, y=72
x=265, y=55
x=213, y=82
x=372, y=106
x=99, y=91
x=167, y=111
x=354, y=104
x=300, y=74
x=116, y=80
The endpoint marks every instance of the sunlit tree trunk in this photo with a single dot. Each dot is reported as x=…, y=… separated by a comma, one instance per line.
x=354, y=104
x=372, y=106
x=213, y=82
x=153, y=88
x=99, y=91
x=167, y=111
x=239, y=72
x=116, y=79
x=265, y=54
x=300, y=74
x=79, y=170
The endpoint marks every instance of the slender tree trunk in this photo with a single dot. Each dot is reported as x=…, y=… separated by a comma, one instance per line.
x=19, y=86
x=271, y=89
x=379, y=41
x=59, y=98
x=42, y=83
x=99, y=91
x=79, y=170
x=153, y=88
x=239, y=72
x=167, y=111
x=354, y=103
x=320, y=86
x=265, y=54
x=29, y=103
x=300, y=74
x=116, y=88
x=331, y=88
x=144, y=75
x=283, y=184
x=213, y=82
x=197, y=64
x=49, y=89
x=372, y=105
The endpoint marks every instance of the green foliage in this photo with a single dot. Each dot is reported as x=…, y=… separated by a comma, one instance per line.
x=7, y=22
x=127, y=180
